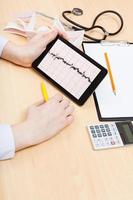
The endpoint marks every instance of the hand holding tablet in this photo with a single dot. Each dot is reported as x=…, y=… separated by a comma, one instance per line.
x=68, y=68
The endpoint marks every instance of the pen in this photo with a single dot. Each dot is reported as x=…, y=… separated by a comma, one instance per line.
x=44, y=91
x=110, y=73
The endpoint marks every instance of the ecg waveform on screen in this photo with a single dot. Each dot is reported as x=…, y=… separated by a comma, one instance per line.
x=56, y=56
x=68, y=69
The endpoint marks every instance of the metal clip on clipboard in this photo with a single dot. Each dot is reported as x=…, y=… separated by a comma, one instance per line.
x=115, y=43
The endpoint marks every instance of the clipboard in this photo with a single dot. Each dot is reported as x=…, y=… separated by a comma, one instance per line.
x=110, y=107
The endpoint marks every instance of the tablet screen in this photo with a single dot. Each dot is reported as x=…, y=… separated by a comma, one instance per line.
x=70, y=69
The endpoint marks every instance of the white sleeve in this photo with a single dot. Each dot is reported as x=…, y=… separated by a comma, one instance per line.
x=3, y=42
x=7, y=146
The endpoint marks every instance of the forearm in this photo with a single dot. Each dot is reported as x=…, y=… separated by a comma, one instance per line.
x=9, y=52
x=13, y=53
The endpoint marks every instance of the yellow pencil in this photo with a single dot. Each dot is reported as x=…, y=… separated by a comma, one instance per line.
x=44, y=91
x=110, y=73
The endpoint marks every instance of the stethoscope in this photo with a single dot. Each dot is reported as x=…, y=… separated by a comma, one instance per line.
x=76, y=26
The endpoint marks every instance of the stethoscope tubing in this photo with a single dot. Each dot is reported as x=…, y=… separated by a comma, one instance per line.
x=77, y=26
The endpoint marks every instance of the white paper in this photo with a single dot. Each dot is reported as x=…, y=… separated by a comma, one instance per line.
x=121, y=61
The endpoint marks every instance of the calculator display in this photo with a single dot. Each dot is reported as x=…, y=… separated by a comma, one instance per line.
x=126, y=131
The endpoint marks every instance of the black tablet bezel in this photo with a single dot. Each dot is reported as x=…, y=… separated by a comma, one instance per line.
x=91, y=87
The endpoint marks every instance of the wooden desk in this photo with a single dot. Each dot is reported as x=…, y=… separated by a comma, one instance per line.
x=65, y=167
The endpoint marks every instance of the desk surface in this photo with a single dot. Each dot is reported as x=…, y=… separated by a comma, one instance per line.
x=64, y=167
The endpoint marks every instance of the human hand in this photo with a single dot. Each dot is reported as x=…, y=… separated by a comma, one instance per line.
x=43, y=121
x=24, y=55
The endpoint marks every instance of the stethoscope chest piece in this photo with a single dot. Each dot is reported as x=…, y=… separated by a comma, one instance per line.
x=77, y=11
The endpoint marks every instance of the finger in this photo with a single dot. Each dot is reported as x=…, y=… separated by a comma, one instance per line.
x=65, y=103
x=64, y=35
x=69, y=119
x=57, y=98
x=69, y=110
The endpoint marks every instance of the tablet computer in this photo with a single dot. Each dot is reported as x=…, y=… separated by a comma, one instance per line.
x=71, y=70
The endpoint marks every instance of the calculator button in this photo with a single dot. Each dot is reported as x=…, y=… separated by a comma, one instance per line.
x=94, y=135
x=101, y=126
x=113, y=142
x=107, y=129
x=104, y=134
x=99, y=135
x=109, y=134
x=103, y=145
x=118, y=142
x=103, y=130
x=116, y=137
x=97, y=145
x=93, y=131
x=91, y=127
x=96, y=127
x=98, y=131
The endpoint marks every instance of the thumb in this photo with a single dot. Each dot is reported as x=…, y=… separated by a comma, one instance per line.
x=49, y=36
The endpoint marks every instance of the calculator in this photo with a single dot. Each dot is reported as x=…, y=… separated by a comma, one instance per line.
x=111, y=135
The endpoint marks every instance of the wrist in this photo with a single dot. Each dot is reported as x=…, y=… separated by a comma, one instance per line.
x=21, y=135
x=15, y=54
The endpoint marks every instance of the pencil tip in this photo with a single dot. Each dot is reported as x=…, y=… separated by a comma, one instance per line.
x=115, y=93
